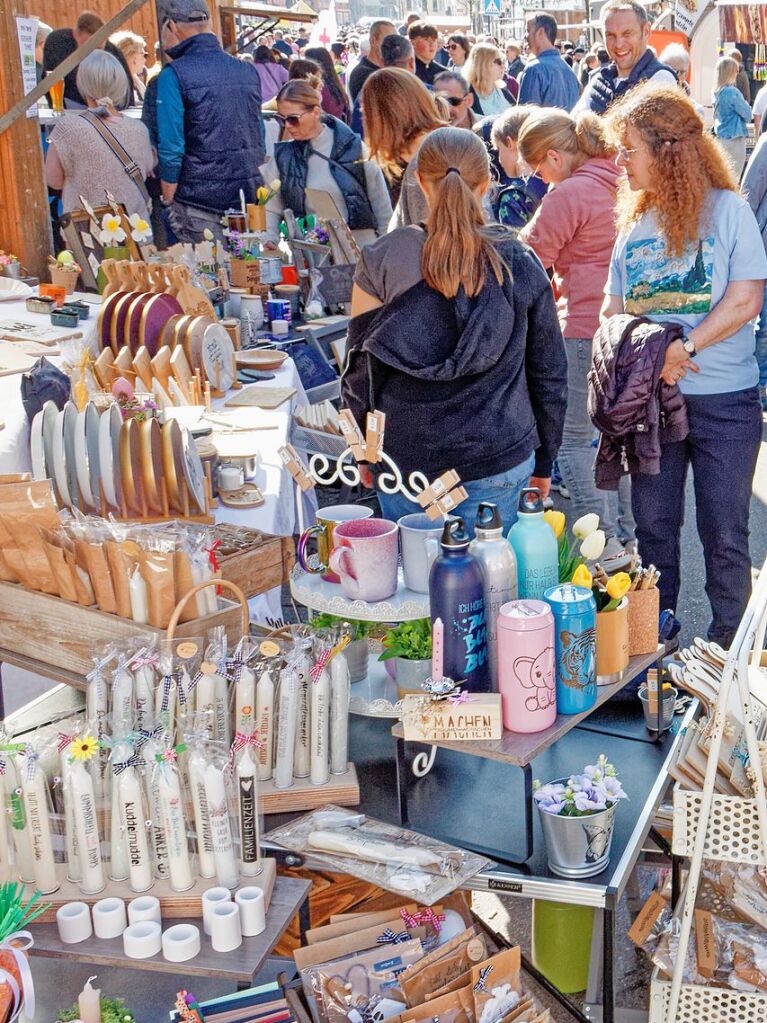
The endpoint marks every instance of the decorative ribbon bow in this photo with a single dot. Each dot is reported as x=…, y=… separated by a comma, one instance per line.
x=167, y=682
x=63, y=740
x=134, y=760
x=389, y=937
x=31, y=764
x=17, y=944
x=145, y=658
x=319, y=666
x=143, y=735
x=96, y=676
x=213, y=559
x=484, y=973
x=423, y=916
x=233, y=669
x=240, y=741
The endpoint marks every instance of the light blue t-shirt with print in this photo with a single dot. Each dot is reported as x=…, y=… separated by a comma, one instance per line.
x=685, y=289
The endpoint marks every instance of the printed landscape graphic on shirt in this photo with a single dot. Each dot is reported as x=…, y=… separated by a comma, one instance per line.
x=658, y=283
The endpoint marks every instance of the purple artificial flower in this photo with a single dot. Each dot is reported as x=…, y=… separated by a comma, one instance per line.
x=579, y=782
x=589, y=799
x=550, y=798
x=613, y=789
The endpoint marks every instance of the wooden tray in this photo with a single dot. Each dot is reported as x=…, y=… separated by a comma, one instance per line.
x=341, y=790
x=265, y=565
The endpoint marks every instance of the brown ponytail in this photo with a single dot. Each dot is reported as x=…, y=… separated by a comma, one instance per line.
x=453, y=162
x=554, y=129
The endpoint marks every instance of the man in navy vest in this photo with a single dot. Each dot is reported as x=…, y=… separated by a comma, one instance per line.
x=626, y=31
x=209, y=123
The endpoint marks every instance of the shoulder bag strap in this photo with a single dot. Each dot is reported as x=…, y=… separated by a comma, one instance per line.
x=130, y=166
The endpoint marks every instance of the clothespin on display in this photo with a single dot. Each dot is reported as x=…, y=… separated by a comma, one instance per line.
x=296, y=468
x=443, y=495
x=351, y=433
x=375, y=423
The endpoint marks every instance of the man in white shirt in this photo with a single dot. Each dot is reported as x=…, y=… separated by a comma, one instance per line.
x=626, y=32
x=759, y=109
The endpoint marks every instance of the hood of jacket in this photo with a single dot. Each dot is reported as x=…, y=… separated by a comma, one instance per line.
x=601, y=170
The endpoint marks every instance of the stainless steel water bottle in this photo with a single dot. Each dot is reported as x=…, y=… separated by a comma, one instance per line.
x=499, y=568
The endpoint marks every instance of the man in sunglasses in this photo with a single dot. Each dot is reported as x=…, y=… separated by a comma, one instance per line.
x=453, y=87
x=209, y=123
x=547, y=81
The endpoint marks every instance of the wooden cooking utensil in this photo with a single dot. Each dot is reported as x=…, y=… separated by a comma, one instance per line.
x=193, y=299
x=142, y=364
x=161, y=365
x=180, y=368
x=104, y=368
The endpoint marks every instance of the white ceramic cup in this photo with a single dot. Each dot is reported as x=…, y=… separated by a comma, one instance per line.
x=210, y=898
x=74, y=922
x=109, y=918
x=180, y=942
x=142, y=940
x=146, y=907
x=252, y=910
x=225, y=930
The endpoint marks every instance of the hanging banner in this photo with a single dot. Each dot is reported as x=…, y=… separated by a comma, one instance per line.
x=26, y=29
x=743, y=23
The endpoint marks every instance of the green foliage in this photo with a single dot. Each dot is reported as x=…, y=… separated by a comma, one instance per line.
x=327, y=621
x=569, y=559
x=112, y=1011
x=14, y=915
x=411, y=640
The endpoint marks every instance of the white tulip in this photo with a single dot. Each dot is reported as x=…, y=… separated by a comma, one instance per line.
x=274, y=186
x=585, y=525
x=594, y=544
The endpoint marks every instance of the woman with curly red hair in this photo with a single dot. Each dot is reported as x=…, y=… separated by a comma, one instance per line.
x=689, y=252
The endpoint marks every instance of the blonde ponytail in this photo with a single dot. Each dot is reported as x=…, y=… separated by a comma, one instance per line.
x=453, y=162
x=554, y=129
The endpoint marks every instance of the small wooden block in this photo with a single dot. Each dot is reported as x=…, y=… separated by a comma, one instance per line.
x=142, y=364
x=161, y=365
x=478, y=717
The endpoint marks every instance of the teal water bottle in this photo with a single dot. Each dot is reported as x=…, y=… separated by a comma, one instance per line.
x=535, y=546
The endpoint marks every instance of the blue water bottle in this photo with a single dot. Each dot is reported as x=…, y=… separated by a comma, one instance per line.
x=535, y=546
x=456, y=593
x=575, y=646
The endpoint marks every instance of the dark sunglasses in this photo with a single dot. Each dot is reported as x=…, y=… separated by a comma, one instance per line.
x=452, y=100
x=292, y=119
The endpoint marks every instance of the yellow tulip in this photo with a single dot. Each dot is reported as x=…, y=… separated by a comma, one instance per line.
x=262, y=194
x=618, y=585
x=556, y=520
x=582, y=577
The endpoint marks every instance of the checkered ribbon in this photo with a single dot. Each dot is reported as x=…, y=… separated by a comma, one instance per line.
x=423, y=916
x=167, y=683
x=134, y=760
x=193, y=682
x=31, y=764
x=233, y=669
x=63, y=740
x=389, y=937
x=96, y=676
x=319, y=666
x=239, y=742
x=484, y=973
x=3, y=765
x=143, y=735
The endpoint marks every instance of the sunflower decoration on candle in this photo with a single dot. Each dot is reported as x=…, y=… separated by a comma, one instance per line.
x=83, y=748
x=112, y=231
x=141, y=230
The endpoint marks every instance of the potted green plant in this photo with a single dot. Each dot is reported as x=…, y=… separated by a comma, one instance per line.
x=408, y=647
x=357, y=651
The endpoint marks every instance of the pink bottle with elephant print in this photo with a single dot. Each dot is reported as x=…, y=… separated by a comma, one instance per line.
x=526, y=679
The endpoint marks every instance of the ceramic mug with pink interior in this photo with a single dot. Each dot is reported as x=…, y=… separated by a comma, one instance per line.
x=365, y=558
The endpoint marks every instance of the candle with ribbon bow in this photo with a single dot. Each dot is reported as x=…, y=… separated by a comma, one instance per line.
x=216, y=655
x=390, y=937
x=144, y=667
x=150, y=750
x=64, y=741
x=220, y=826
x=82, y=796
x=121, y=750
x=122, y=697
x=244, y=681
x=168, y=784
x=21, y=841
x=246, y=785
x=37, y=807
x=133, y=814
x=265, y=724
x=303, y=665
x=339, y=711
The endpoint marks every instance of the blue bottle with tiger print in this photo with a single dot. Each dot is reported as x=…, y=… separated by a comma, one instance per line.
x=575, y=646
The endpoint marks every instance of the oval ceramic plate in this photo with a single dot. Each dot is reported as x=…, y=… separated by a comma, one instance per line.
x=84, y=453
x=70, y=457
x=41, y=441
x=150, y=448
x=173, y=463
x=194, y=473
x=218, y=357
x=59, y=456
x=109, y=454
x=261, y=358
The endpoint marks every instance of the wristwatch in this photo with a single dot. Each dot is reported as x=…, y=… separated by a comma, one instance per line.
x=688, y=345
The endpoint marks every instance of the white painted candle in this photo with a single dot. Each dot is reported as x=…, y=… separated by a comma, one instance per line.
x=247, y=802
x=302, y=760
x=139, y=599
x=144, y=679
x=286, y=730
x=265, y=723
x=245, y=700
x=205, y=698
x=320, y=771
x=339, y=714
x=118, y=847
x=70, y=828
x=20, y=836
x=35, y=791
x=89, y=1003
x=92, y=877
x=221, y=832
x=172, y=810
x=165, y=703
x=133, y=817
x=97, y=711
x=221, y=709
x=157, y=830
x=206, y=863
x=122, y=701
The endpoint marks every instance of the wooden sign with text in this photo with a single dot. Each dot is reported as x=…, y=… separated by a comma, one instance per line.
x=478, y=716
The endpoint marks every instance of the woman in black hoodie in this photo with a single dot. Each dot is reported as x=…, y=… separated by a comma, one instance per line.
x=454, y=335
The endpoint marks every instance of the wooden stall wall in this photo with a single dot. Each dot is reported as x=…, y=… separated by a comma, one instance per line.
x=63, y=14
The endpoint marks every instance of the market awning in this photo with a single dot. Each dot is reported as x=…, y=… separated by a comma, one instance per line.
x=241, y=24
x=742, y=23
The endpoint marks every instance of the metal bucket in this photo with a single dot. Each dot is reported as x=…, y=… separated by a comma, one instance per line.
x=357, y=659
x=578, y=846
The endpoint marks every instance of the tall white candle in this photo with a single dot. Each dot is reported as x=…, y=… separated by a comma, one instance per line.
x=144, y=678
x=247, y=802
x=205, y=698
x=339, y=714
x=265, y=723
x=157, y=830
x=122, y=701
x=223, y=846
x=206, y=863
x=245, y=700
x=118, y=846
x=35, y=791
x=133, y=819
x=286, y=729
x=172, y=810
x=70, y=828
x=139, y=599
x=165, y=705
x=221, y=709
x=92, y=878
x=320, y=771
x=22, y=842
x=302, y=760
x=97, y=711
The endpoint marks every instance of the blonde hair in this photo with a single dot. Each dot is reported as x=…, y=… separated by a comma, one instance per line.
x=128, y=43
x=507, y=126
x=554, y=129
x=453, y=163
x=478, y=68
x=300, y=91
x=726, y=72
x=687, y=163
x=398, y=109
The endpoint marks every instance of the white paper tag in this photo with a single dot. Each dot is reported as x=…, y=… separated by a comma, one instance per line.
x=87, y=240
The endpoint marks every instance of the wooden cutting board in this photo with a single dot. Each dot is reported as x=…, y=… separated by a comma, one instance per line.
x=23, y=330
x=14, y=361
x=263, y=397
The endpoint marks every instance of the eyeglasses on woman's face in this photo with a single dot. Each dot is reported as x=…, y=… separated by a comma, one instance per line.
x=498, y=62
x=453, y=46
x=624, y=155
x=292, y=120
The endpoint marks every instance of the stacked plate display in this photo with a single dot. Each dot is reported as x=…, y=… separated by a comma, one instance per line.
x=100, y=463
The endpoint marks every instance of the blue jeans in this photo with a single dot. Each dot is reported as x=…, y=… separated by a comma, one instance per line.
x=503, y=490
x=722, y=447
x=761, y=345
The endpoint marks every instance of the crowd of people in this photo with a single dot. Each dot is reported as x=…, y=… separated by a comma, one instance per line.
x=523, y=209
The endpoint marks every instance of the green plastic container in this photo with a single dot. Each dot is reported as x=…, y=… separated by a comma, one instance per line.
x=111, y=252
x=562, y=943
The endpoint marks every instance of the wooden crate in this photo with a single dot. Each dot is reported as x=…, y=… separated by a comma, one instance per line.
x=265, y=565
x=64, y=635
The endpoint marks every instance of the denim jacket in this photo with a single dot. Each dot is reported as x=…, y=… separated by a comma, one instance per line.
x=731, y=113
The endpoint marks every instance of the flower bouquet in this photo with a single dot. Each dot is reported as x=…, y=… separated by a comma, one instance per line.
x=577, y=817
x=9, y=264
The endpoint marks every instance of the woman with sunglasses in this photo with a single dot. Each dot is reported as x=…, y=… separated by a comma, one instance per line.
x=458, y=48
x=689, y=252
x=454, y=336
x=484, y=71
x=572, y=233
x=324, y=155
